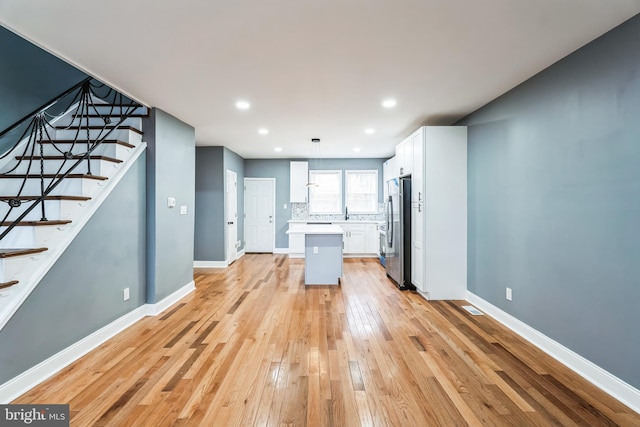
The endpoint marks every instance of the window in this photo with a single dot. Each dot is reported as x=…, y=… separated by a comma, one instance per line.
x=362, y=191
x=325, y=193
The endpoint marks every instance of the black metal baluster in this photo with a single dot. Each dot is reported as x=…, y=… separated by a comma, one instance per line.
x=85, y=110
x=44, y=214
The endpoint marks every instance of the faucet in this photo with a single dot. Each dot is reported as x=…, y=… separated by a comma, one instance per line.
x=346, y=213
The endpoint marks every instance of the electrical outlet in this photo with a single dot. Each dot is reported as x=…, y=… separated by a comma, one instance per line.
x=126, y=294
x=183, y=210
x=285, y=206
x=509, y=294
x=171, y=202
x=315, y=249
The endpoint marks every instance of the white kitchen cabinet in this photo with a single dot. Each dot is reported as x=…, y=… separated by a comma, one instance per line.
x=439, y=222
x=371, y=239
x=417, y=252
x=298, y=180
x=389, y=169
x=354, y=238
x=417, y=173
x=399, y=166
x=296, y=245
x=388, y=172
x=404, y=158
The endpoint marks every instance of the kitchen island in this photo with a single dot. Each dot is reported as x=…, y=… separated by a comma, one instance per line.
x=322, y=252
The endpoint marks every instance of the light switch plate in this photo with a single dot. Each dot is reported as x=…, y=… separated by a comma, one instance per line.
x=171, y=202
x=183, y=210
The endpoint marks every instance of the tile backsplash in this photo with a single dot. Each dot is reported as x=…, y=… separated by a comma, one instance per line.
x=300, y=211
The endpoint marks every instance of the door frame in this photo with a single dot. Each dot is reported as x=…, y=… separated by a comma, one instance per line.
x=273, y=227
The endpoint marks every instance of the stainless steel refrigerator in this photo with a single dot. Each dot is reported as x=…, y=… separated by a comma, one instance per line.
x=398, y=213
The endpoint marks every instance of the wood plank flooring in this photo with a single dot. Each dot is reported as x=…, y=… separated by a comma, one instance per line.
x=254, y=346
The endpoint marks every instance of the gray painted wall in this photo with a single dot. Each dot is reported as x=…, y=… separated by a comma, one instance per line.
x=83, y=292
x=279, y=169
x=235, y=163
x=554, y=201
x=211, y=180
x=29, y=77
x=170, y=173
x=209, y=236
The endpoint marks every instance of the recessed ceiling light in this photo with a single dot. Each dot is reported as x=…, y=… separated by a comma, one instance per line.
x=369, y=131
x=263, y=131
x=242, y=105
x=356, y=150
x=389, y=103
x=278, y=149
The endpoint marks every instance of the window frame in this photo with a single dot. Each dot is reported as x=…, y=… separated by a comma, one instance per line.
x=376, y=190
x=312, y=189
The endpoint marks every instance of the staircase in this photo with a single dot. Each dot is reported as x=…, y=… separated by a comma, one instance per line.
x=55, y=177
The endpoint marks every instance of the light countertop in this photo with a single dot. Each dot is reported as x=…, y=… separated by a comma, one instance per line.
x=315, y=229
x=350, y=221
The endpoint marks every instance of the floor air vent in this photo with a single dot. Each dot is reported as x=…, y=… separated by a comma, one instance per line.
x=471, y=309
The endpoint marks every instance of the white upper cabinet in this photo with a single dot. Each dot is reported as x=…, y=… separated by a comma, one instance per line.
x=299, y=178
x=417, y=174
x=404, y=158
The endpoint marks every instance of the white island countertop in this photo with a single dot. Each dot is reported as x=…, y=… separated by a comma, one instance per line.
x=315, y=229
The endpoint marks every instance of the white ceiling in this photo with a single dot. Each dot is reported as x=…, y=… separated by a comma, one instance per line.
x=313, y=68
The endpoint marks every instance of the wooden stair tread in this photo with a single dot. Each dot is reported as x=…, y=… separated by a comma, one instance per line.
x=53, y=175
x=99, y=128
x=5, y=285
x=8, y=253
x=84, y=141
x=78, y=198
x=37, y=223
x=106, y=158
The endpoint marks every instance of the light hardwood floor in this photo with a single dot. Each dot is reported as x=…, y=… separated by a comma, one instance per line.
x=254, y=346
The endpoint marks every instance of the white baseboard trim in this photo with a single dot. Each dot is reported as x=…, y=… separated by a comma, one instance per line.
x=240, y=254
x=601, y=378
x=280, y=250
x=210, y=264
x=24, y=382
x=159, y=307
x=47, y=368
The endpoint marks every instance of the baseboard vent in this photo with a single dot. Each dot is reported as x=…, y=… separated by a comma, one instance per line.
x=471, y=309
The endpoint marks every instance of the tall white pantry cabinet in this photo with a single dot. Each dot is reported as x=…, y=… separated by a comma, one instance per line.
x=439, y=211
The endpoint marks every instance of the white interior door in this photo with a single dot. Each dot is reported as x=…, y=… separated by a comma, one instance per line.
x=259, y=221
x=231, y=207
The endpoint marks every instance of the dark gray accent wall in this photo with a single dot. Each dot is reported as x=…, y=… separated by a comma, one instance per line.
x=554, y=201
x=170, y=173
x=211, y=180
x=210, y=222
x=279, y=169
x=29, y=77
x=83, y=291
x=235, y=163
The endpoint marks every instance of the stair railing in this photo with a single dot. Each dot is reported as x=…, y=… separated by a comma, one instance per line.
x=83, y=102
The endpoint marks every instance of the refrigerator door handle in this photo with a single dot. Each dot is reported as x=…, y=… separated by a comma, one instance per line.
x=390, y=223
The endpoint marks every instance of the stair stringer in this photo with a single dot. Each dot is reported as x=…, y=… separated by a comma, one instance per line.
x=12, y=302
